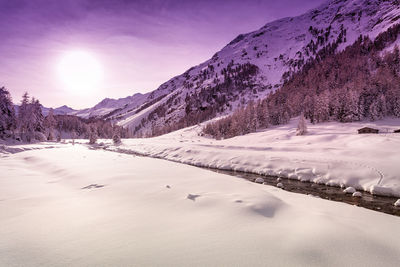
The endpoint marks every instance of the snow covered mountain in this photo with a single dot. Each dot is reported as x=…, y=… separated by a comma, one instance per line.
x=63, y=110
x=250, y=67
x=108, y=105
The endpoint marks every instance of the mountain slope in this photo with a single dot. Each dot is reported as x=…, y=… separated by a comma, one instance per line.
x=255, y=64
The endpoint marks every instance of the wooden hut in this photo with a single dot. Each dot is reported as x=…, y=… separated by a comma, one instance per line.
x=367, y=130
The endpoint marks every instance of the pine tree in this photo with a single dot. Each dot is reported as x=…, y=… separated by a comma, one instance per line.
x=58, y=136
x=93, y=135
x=262, y=114
x=49, y=124
x=37, y=116
x=7, y=113
x=116, y=139
x=396, y=105
x=24, y=118
x=73, y=136
x=252, y=119
x=377, y=109
x=321, y=107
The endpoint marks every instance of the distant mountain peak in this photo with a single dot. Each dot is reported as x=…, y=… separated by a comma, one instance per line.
x=108, y=105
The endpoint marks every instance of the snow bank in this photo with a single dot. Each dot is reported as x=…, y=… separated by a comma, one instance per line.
x=6, y=148
x=72, y=206
x=349, y=190
x=259, y=180
x=331, y=153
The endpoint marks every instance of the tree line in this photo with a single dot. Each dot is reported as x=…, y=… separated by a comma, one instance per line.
x=27, y=123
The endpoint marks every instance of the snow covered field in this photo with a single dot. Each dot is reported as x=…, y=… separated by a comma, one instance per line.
x=331, y=153
x=73, y=206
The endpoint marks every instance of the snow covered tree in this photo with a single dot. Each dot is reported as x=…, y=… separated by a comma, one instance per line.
x=73, y=137
x=377, y=109
x=7, y=113
x=262, y=114
x=58, y=138
x=116, y=138
x=37, y=116
x=30, y=119
x=309, y=107
x=396, y=105
x=49, y=124
x=321, y=107
x=302, y=126
x=92, y=138
x=252, y=121
x=25, y=124
x=93, y=135
x=352, y=106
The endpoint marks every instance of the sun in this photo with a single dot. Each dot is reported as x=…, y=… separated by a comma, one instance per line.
x=80, y=71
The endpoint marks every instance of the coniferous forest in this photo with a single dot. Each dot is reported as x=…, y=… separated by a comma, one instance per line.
x=27, y=123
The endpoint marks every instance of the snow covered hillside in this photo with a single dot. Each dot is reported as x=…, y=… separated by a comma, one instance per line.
x=256, y=63
x=331, y=153
x=73, y=206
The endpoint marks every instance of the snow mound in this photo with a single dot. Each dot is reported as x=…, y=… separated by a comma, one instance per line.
x=382, y=190
x=350, y=190
x=357, y=194
x=397, y=203
x=259, y=180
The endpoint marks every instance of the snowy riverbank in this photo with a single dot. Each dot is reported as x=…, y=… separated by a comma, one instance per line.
x=331, y=153
x=73, y=206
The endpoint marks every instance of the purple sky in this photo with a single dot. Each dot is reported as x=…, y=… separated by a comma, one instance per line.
x=140, y=44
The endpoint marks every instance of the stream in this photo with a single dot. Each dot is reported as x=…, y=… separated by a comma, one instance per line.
x=383, y=204
x=367, y=200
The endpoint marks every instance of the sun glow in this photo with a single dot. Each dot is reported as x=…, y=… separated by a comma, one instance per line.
x=80, y=71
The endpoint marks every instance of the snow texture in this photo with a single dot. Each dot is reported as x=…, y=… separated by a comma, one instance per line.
x=125, y=216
